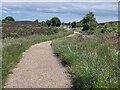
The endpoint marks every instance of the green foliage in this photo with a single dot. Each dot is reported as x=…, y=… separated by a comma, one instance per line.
x=92, y=62
x=1, y=66
x=63, y=23
x=107, y=27
x=79, y=24
x=49, y=23
x=110, y=27
x=52, y=30
x=37, y=21
x=43, y=23
x=55, y=21
x=9, y=18
x=89, y=22
x=73, y=24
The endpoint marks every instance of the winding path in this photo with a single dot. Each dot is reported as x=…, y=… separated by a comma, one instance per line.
x=39, y=68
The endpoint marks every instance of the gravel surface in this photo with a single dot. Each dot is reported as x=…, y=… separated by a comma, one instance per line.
x=39, y=68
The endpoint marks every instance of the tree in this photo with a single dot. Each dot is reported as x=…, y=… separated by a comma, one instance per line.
x=79, y=24
x=63, y=23
x=9, y=18
x=55, y=21
x=89, y=22
x=73, y=24
x=48, y=22
x=37, y=21
x=43, y=23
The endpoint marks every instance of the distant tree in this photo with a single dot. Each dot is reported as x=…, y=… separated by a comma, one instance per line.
x=69, y=23
x=9, y=18
x=79, y=24
x=63, y=23
x=49, y=23
x=115, y=26
x=89, y=22
x=37, y=21
x=43, y=23
x=109, y=27
x=55, y=21
x=3, y=20
x=73, y=24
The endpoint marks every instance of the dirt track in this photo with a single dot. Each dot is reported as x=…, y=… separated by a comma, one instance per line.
x=39, y=68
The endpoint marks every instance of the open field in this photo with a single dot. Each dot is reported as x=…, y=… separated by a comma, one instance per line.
x=92, y=60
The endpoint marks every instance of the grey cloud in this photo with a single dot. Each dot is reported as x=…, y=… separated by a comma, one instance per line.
x=63, y=8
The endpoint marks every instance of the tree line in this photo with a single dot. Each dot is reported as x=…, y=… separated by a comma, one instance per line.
x=88, y=23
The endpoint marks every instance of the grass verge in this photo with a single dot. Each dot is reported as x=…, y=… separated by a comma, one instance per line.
x=92, y=60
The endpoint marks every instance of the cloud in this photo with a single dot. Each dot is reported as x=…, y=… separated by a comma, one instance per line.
x=17, y=12
x=64, y=7
x=60, y=1
x=52, y=9
x=5, y=8
x=4, y=11
x=67, y=11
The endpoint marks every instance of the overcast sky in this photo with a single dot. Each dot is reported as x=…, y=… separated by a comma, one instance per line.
x=60, y=0
x=66, y=11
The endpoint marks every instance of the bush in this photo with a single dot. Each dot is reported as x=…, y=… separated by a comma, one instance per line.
x=73, y=24
x=36, y=21
x=89, y=22
x=52, y=30
x=109, y=27
x=9, y=18
x=49, y=23
x=55, y=21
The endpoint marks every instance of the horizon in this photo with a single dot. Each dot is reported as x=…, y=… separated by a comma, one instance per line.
x=22, y=11
x=61, y=22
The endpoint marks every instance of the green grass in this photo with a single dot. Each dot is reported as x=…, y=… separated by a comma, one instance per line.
x=0, y=65
x=92, y=63
x=14, y=47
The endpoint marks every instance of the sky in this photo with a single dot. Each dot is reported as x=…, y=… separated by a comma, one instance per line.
x=66, y=11
x=60, y=0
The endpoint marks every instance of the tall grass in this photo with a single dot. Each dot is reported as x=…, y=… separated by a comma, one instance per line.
x=92, y=61
x=14, y=47
x=0, y=64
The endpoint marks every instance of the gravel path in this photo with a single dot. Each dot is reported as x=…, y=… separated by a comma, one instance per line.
x=39, y=68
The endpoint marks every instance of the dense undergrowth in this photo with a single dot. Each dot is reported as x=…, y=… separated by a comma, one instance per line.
x=92, y=60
